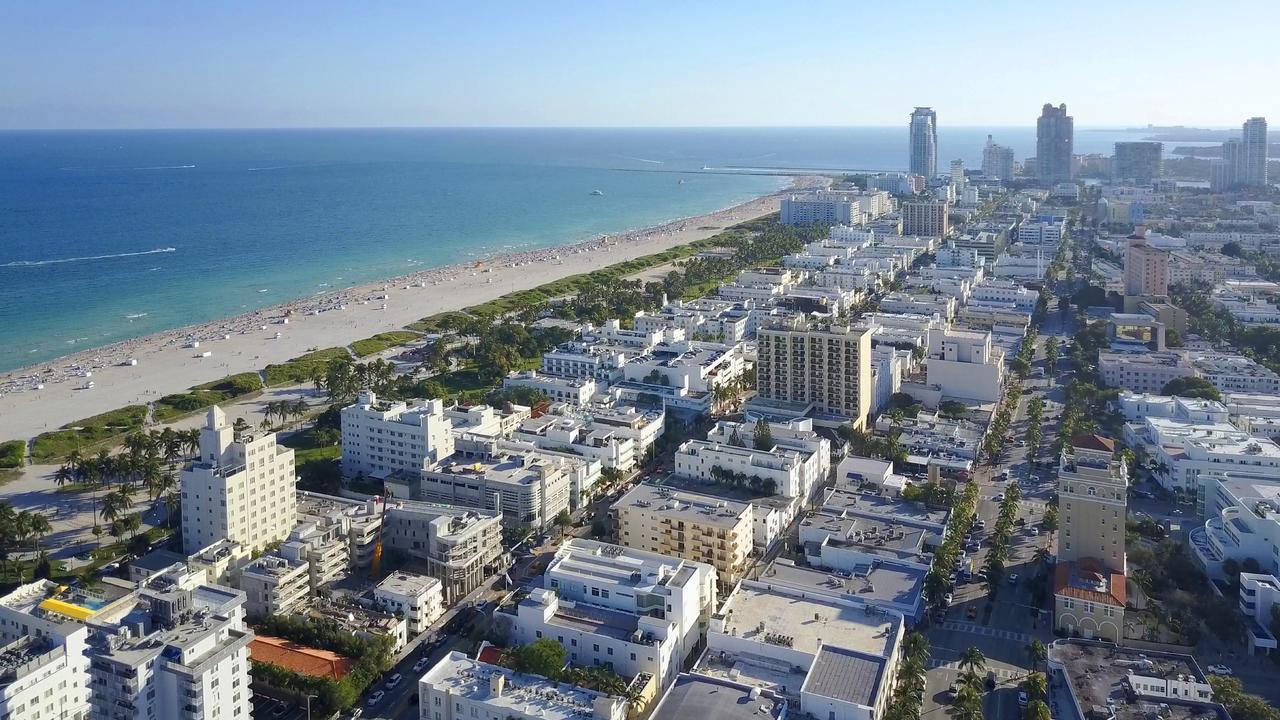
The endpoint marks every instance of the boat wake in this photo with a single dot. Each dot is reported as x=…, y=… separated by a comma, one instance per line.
x=166, y=167
x=643, y=160
x=86, y=258
x=135, y=316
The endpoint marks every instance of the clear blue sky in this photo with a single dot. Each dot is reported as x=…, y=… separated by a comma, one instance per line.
x=281, y=63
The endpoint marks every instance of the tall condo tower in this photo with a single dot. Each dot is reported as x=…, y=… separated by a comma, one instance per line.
x=924, y=142
x=1055, y=135
x=1253, y=170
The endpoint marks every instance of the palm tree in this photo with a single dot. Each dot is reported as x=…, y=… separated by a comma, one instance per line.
x=1037, y=710
x=114, y=506
x=173, y=507
x=916, y=647
x=1038, y=653
x=131, y=524
x=64, y=474
x=1036, y=685
x=972, y=663
x=37, y=526
x=967, y=704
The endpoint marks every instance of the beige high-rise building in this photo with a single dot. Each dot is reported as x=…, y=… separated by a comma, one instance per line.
x=930, y=218
x=1089, y=581
x=825, y=366
x=1146, y=269
x=703, y=528
x=239, y=489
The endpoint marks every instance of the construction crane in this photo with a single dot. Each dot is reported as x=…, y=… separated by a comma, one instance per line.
x=375, y=567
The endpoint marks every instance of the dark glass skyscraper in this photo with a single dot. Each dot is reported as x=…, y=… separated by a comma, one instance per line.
x=1055, y=137
x=924, y=142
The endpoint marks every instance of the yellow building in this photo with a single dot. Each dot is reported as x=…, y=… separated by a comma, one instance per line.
x=687, y=525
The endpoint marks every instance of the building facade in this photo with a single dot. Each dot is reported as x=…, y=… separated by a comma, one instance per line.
x=1140, y=162
x=381, y=437
x=923, y=132
x=826, y=366
x=1055, y=137
x=930, y=218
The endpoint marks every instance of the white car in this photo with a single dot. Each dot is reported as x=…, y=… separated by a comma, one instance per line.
x=421, y=664
x=375, y=698
x=998, y=498
x=1035, y=531
x=394, y=680
x=946, y=601
x=1220, y=670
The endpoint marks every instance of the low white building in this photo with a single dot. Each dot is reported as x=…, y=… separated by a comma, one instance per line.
x=1242, y=522
x=798, y=461
x=1142, y=372
x=459, y=687
x=1259, y=593
x=1234, y=373
x=1187, y=454
x=573, y=390
x=529, y=489
x=1040, y=233
x=967, y=366
x=43, y=651
x=274, y=585
x=943, y=306
x=416, y=598
x=1004, y=291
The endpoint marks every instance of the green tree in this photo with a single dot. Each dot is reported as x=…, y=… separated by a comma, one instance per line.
x=1037, y=710
x=1036, y=686
x=544, y=657
x=1037, y=652
x=762, y=436
x=1191, y=387
x=563, y=520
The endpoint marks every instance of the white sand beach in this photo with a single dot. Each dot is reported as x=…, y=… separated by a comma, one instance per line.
x=167, y=363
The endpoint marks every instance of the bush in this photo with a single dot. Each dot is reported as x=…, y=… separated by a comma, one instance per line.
x=382, y=341
x=12, y=453
x=304, y=367
x=200, y=397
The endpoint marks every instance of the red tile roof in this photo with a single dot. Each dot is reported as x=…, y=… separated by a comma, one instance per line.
x=1067, y=575
x=1094, y=442
x=299, y=658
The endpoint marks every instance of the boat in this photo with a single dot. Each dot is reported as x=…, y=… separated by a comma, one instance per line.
x=597, y=192
x=680, y=181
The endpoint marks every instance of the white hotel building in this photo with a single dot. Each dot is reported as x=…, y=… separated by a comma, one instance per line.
x=381, y=437
x=240, y=489
x=1187, y=454
x=459, y=688
x=45, y=669
x=799, y=460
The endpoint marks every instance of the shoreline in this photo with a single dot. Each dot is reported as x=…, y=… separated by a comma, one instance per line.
x=167, y=362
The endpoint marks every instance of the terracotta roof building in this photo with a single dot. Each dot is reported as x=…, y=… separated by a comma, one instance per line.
x=299, y=658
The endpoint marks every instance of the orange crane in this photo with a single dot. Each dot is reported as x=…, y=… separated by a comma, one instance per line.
x=376, y=565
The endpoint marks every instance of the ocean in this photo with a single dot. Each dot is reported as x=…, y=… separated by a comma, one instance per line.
x=109, y=235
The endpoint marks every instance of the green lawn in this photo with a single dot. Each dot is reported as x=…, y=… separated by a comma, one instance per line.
x=171, y=407
x=300, y=369
x=12, y=454
x=87, y=433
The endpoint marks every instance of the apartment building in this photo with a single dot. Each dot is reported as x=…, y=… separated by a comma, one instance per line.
x=944, y=306
x=461, y=547
x=582, y=359
x=362, y=518
x=418, y=599
x=687, y=525
x=381, y=437
x=573, y=390
x=639, y=583
x=529, y=489
x=1089, y=580
x=324, y=544
x=929, y=217
x=854, y=530
x=43, y=668
x=1142, y=372
x=1234, y=373
x=240, y=489
x=966, y=365
x=1146, y=269
x=607, y=444
x=798, y=461
x=834, y=208
x=274, y=585
x=1242, y=521
x=824, y=368
x=176, y=647
x=459, y=687
x=1040, y=232
x=707, y=319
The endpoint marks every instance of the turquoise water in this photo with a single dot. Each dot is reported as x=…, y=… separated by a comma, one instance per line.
x=110, y=235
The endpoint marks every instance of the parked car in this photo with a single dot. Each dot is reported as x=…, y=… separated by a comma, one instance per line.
x=394, y=680
x=422, y=664
x=375, y=698
x=971, y=613
x=946, y=600
x=1035, y=530
x=1013, y=578
x=280, y=708
x=998, y=498
x=1220, y=670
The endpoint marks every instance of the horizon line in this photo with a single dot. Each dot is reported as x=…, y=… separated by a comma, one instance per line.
x=1155, y=128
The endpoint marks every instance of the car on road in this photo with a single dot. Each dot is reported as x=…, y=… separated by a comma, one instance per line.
x=1013, y=578
x=355, y=713
x=1219, y=670
x=981, y=524
x=946, y=600
x=971, y=613
x=394, y=681
x=998, y=498
x=422, y=664
x=951, y=692
x=990, y=682
x=1035, y=530
x=375, y=698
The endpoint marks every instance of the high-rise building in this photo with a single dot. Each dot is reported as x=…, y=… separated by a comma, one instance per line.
x=924, y=142
x=826, y=366
x=1137, y=161
x=1055, y=135
x=1089, y=581
x=929, y=218
x=1253, y=167
x=997, y=161
x=239, y=489
x=957, y=172
x=1232, y=163
x=1146, y=269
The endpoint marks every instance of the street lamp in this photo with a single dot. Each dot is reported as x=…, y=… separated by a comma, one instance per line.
x=309, y=706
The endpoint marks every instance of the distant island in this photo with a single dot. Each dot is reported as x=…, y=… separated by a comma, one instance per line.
x=1213, y=151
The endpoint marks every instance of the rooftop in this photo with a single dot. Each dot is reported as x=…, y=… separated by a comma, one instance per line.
x=1087, y=579
x=681, y=504
x=773, y=616
x=498, y=687
x=299, y=658
x=845, y=675
x=1096, y=674
x=403, y=583
x=698, y=696
x=883, y=582
x=618, y=565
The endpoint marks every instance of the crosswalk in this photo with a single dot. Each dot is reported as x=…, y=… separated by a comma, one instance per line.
x=1000, y=673
x=974, y=629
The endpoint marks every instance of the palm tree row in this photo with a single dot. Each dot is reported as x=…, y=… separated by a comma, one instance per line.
x=18, y=528
x=285, y=410
x=908, y=689
x=936, y=583
x=967, y=704
x=1003, y=530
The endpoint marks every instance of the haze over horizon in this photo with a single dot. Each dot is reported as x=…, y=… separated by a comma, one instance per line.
x=157, y=65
